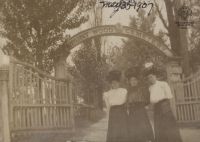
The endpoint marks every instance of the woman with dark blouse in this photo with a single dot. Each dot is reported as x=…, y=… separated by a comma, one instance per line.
x=139, y=126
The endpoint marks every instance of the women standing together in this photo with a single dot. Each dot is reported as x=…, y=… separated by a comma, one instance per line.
x=128, y=119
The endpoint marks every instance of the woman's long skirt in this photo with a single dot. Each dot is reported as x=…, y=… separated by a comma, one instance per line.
x=117, y=124
x=166, y=128
x=140, y=129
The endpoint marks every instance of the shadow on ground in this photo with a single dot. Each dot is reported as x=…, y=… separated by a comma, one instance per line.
x=58, y=135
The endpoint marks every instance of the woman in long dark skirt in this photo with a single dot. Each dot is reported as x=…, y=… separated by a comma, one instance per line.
x=166, y=129
x=139, y=126
x=115, y=100
x=165, y=126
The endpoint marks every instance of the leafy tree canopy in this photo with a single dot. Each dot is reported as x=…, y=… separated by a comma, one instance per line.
x=135, y=52
x=91, y=71
x=35, y=29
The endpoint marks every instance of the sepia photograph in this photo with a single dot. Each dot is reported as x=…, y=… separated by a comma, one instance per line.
x=99, y=70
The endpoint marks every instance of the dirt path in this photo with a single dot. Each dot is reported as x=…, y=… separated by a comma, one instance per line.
x=96, y=133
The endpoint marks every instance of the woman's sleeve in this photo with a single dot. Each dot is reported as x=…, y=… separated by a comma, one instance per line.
x=105, y=97
x=145, y=96
x=153, y=99
x=168, y=91
x=124, y=96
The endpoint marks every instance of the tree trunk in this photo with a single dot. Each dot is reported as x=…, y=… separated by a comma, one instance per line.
x=39, y=59
x=97, y=42
x=99, y=88
x=178, y=37
x=185, y=53
x=174, y=34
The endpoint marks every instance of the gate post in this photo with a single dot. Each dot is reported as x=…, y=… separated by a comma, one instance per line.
x=60, y=67
x=174, y=74
x=4, y=108
x=62, y=73
x=71, y=106
x=60, y=63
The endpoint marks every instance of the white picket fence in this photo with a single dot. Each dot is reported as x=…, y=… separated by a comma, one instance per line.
x=187, y=98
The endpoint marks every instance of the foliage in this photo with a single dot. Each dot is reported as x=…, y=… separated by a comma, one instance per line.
x=135, y=52
x=35, y=29
x=178, y=37
x=194, y=38
x=91, y=70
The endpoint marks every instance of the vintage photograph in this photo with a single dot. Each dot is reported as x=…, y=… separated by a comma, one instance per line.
x=99, y=70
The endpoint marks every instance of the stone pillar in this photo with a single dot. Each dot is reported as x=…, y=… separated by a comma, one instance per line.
x=174, y=71
x=174, y=74
x=4, y=92
x=61, y=68
x=62, y=73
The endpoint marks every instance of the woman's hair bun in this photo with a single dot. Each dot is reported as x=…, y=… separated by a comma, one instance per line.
x=114, y=75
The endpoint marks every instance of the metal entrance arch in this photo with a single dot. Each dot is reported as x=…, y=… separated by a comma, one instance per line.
x=124, y=31
x=119, y=30
x=185, y=103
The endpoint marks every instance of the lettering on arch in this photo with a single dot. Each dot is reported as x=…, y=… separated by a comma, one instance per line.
x=117, y=30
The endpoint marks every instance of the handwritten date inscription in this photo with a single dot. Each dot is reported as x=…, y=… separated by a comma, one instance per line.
x=126, y=5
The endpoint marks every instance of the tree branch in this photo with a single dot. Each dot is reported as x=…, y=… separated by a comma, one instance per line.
x=161, y=16
x=166, y=33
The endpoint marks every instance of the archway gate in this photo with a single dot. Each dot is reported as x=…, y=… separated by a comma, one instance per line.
x=31, y=93
x=119, y=30
x=38, y=101
x=186, y=101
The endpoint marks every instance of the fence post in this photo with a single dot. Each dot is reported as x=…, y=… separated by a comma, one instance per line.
x=60, y=68
x=174, y=72
x=71, y=106
x=62, y=73
x=4, y=108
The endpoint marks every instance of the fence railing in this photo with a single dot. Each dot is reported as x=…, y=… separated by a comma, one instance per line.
x=187, y=98
x=85, y=111
x=32, y=100
x=38, y=100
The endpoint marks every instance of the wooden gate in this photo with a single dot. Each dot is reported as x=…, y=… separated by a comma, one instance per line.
x=187, y=98
x=38, y=101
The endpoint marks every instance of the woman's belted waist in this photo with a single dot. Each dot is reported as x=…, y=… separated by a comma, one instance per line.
x=118, y=106
x=162, y=102
x=136, y=105
x=163, y=106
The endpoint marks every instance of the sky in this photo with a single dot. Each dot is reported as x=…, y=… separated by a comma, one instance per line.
x=122, y=17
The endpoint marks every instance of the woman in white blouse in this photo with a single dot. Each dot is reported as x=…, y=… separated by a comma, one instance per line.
x=165, y=126
x=115, y=100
